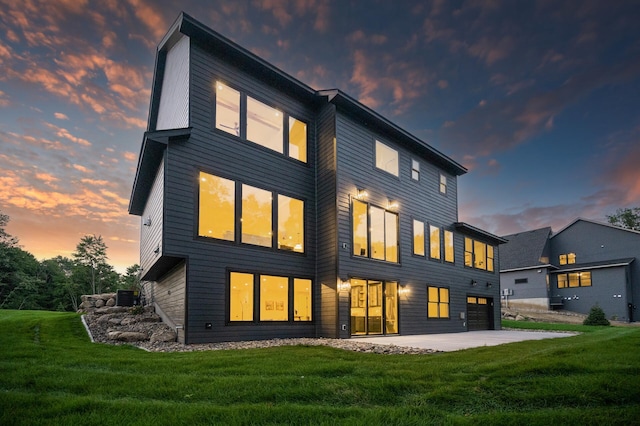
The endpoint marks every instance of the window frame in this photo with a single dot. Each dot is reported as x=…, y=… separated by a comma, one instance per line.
x=579, y=278
x=438, y=303
x=443, y=185
x=369, y=249
x=415, y=170
x=451, y=246
x=435, y=250
x=470, y=257
x=423, y=248
x=388, y=148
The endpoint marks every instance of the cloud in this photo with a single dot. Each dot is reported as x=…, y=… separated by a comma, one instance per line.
x=130, y=156
x=60, y=116
x=81, y=168
x=64, y=133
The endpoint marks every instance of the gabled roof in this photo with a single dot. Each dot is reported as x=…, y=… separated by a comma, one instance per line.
x=524, y=249
x=608, y=225
x=470, y=230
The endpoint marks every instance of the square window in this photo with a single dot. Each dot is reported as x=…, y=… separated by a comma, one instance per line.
x=264, y=125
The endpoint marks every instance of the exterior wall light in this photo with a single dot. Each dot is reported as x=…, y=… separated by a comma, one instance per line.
x=392, y=205
x=361, y=194
x=403, y=290
x=474, y=283
x=343, y=285
x=488, y=284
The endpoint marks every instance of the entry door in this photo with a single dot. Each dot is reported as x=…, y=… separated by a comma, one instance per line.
x=479, y=313
x=374, y=307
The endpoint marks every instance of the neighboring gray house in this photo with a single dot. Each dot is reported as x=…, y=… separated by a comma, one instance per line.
x=270, y=210
x=584, y=264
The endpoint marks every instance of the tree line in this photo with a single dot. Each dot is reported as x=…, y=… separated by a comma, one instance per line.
x=56, y=284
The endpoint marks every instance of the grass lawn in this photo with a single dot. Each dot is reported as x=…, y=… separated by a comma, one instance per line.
x=50, y=373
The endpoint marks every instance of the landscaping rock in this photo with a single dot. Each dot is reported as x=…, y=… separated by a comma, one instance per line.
x=163, y=336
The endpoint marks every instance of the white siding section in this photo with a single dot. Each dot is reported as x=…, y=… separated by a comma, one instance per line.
x=173, y=112
x=151, y=223
x=168, y=296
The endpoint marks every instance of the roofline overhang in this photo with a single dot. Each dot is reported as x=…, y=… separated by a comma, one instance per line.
x=369, y=117
x=586, y=267
x=465, y=228
x=151, y=154
x=526, y=268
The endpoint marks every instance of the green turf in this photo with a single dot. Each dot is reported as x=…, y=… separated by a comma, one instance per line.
x=50, y=373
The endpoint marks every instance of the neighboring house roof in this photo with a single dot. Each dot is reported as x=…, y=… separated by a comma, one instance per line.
x=594, y=265
x=524, y=249
x=465, y=228
x=608, y=225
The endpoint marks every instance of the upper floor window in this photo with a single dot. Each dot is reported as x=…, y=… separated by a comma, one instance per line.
x=443, y=184
x=415, y=170
x=227, y=109
x=448, y=247
x=375, y=232
x=386, y=158
x=259, y=123
x=418, y=238
x=216, y=217
x=434, y=242
x=438, y=304
x=566, y=259
x=290, y=224
x=256, y=216
x=478, y=254
x=575, y=279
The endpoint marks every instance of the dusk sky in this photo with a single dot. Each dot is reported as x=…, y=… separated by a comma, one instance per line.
x=538, y=99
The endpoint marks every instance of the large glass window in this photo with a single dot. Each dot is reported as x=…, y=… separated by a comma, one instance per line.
x=301, y=299
x=274, y=298
x=391, y=236
x=256, y=216
x=297, y=139
x=438, y=303
x=264, y=125
x=434, y=242
x=448, y=247
x=360, y=232
x=216, y=216
x=478, y=255
x=241, y=297
x=290, y=224
x=227, y=109
x=377, y=233
x=574, y=279
x=418, y=238
x=374, y=307
x=386, y=158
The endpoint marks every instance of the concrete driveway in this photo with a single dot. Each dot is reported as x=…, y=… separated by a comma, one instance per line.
x=456, y=341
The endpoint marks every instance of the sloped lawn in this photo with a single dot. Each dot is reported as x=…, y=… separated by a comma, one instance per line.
x=50, y=373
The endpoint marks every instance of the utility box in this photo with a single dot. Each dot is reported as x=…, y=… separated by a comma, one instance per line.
x=127, y=298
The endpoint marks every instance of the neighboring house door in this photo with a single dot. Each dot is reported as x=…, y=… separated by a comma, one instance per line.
x=479, y=313
x=374, y=307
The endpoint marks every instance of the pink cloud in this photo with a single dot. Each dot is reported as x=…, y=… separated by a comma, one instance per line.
x=130, y=156
x=81, y=168
x=60, y=116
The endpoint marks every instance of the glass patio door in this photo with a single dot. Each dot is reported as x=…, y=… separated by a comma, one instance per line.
x=374, y=307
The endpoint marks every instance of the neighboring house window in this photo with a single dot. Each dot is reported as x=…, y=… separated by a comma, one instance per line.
x=386, y=158
x=275, y=298
x=443, y=184
x=264, y=125
x=216, y=216
x=438, y=304
x=521, y=281
x=418, y=238
x=381, y=232
x=290, y=224
x=297, y=140
x=227, y=109
x=256, y=216
x=448, y=247
x=567, y=259
x=415, y=170
x=574, y=279
x=478, y=254
x=434, y=242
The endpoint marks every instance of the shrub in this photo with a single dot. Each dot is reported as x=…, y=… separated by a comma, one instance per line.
x=596, y=317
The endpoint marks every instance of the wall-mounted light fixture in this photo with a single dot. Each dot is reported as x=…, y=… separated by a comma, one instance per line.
x=488, y=284
x=392, y=205
x=344, y=285
x=404, y=290
x=474, y=283
x=361, y=194
x=147, y=221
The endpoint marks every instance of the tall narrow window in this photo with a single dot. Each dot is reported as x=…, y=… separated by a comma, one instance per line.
x=227, y=109
x=438, y=302
x=480, y=255
x=241, y=297
x=386, y=158
x=360, y=231
x=443, y=184
x=256, y=216
x=290, y=224
x=415, y=170
x=391, y=236
x=274, y=298
x=434, y=242
x=448, y=246
x=301, y=299
x=468, y=252
x=216, y=216
x=489, y=258
x=297, y=140
x=377, y=233
x=418, y=238
x=264, y=125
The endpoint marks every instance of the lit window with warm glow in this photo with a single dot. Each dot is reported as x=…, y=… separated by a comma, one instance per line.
x=241, y=297
x=386, y=158
x=438, y=302
x=274, y=298
x=256, y=216
x=297, y=139
x=382, y=232
x=391, y=237
x=434, y=242
x=418, y=238
x=489, y=258
x=360, y=232
x=216, y=216
x=264, y=125
x=448, y=247
x=443, y=184
x=290, y=224
x=575, y=279
x=377, y=233
x=301, y=299
x=478, y=255
x=227, y=109
x=567, y=259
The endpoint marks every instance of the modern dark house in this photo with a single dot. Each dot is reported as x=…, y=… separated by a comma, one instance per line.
x=584, y=264
x=272, y=210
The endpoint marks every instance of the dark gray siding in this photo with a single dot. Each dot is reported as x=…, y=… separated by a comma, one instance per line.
x=216, y=152
x=533, y=292
x=173, y=111
x=417, y=199
x=151, y=235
